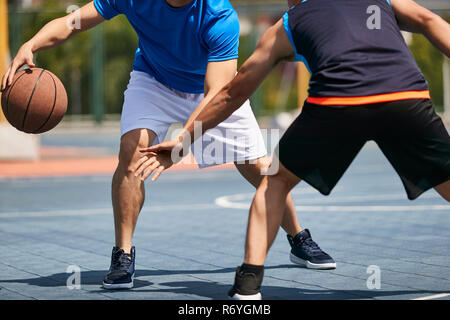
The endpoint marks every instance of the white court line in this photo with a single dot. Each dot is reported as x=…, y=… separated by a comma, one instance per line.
x=100, y=211
x=436, y=296
x=229, y=202
x=373, y=208
x=361, y=198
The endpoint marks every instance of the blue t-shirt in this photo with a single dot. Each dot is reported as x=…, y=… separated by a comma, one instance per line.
x=176, y=44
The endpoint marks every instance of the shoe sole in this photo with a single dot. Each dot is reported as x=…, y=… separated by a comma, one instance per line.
x=310, y=265
x=246, y=297
x=119, y=286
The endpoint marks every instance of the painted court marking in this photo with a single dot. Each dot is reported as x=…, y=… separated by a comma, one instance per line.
x=233, y=202
x=436, y=296
x=100, y=211
x=81, y=167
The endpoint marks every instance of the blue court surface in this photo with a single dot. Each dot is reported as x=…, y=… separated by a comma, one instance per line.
x=190, y=237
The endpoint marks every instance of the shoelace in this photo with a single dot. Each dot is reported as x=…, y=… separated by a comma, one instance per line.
x=122, y=261
x=311, y=246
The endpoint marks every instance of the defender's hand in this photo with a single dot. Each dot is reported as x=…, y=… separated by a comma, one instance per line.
x=158, y=158
x=24, y=56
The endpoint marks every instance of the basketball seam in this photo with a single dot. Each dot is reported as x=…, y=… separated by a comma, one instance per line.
x=29, y=101
x=53, y=108
x=9, y=94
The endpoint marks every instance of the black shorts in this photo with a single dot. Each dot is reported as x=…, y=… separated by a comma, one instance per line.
x=322, y=142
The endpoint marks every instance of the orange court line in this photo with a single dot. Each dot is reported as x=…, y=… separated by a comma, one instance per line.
x=351, y=101
x=75, y=167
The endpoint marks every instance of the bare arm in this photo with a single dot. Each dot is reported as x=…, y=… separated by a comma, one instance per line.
x=273, y=47
x=415, y=18
x=51, y=35
x=218, y=74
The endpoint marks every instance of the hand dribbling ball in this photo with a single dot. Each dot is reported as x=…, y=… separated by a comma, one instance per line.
x=35, y=102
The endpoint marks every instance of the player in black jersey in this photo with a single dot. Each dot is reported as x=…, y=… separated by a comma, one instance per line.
x=365, y=85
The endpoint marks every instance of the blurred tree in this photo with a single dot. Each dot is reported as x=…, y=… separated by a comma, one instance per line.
x=120, y=45
x=72, y=61
x=68, y=61
x=430, y=62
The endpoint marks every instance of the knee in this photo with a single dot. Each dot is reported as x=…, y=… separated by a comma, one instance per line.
x=254, y=171
x=281, y=177
x=281, y=182
x=129, y=152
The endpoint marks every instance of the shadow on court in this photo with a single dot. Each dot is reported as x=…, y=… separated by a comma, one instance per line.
x=218, y=291
x=209, y=289
x=94, y=277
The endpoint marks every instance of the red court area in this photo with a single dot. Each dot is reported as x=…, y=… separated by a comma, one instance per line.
x=63, y=161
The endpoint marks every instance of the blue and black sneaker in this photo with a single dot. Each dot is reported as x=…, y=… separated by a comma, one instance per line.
x=306, y=252
x=121, y=271
x=247, y=283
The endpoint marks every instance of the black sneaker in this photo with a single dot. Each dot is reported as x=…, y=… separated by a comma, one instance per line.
x=246, y=286
x=306, y=252
x=121, y=271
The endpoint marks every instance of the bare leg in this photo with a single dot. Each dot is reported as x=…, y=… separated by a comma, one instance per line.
x=252, y=172
x=266, y=214
x=444, y=190
x=128, y=191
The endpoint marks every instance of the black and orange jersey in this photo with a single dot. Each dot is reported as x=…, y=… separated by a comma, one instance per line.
x=355, y=52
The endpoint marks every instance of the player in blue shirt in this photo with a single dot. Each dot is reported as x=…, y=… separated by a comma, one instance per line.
x=187, y=52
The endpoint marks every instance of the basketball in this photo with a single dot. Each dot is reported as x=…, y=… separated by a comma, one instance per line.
x=35, y=102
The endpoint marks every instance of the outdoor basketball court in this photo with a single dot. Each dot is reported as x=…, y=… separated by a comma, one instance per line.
x=190, y=235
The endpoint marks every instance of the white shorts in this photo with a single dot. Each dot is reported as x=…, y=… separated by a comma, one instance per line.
x=151, y=105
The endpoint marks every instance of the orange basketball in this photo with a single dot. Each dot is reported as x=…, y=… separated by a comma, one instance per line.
x=35, y=102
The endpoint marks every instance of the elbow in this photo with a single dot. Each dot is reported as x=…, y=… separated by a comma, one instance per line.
x=65, y=29
x=426, y=20
x=241, y=87
x=227, y=101
x=68, y=26
x=234, y=96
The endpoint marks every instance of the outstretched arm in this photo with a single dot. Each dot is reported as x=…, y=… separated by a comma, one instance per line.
x=273, y=47
x=218, y=74
x=415, y=18
x=51, y=35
